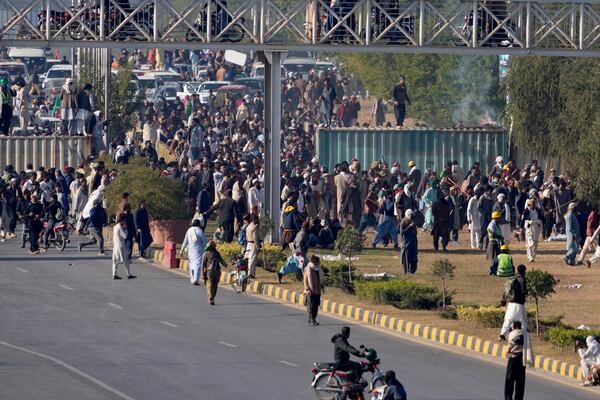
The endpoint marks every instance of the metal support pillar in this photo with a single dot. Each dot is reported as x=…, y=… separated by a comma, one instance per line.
x=272, y=61
x=106, y=67
x=155, y=34
x=528, y=21
x=475, y=25
x=421, y=22
x=581, y=27
x=48, y=26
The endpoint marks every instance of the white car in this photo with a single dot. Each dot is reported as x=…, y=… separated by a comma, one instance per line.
x=205, y=88
x=57, y=75
x=187, y=89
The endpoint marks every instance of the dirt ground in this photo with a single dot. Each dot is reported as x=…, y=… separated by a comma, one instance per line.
x=473, y=285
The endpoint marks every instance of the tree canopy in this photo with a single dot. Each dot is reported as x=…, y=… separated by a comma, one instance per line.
x=443, y=89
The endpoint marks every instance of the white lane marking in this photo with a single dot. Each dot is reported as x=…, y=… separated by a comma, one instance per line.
x=70, y=368
x=115, y=305
x=289, y=364
x=66, y=287
x=169, y=324
x=23, y=270
x=227, y=344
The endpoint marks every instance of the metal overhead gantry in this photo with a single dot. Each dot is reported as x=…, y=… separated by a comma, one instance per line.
x=542, y=27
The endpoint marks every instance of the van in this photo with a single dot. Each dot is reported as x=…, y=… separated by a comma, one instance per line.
x=31, y=57
x=14, y=69
x=258, y=70
x=299, y=65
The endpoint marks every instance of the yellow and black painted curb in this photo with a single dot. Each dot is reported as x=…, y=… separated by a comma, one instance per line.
x=442, y=336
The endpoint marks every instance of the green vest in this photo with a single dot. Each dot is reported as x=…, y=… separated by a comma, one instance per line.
x=7, y=97
x=505, y=265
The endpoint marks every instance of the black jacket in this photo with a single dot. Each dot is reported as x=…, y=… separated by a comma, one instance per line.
x=343, y=349
x=394, y=391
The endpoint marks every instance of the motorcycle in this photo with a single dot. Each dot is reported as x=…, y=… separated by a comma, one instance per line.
x=328, y=383
x=60, y=18
x=219, y=20
x=59, y=237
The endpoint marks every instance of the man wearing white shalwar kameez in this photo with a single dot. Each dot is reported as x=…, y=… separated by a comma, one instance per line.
x=119, y=255
x=532, y=223
x=194, y=242
x=474, y=220
x=590, y=357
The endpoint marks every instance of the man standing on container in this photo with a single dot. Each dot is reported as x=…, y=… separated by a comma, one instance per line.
x=400, y=99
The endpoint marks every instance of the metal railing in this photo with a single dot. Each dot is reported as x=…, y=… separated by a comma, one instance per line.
x=516, y=26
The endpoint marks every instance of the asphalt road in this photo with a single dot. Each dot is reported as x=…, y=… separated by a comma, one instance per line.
x=68, y=331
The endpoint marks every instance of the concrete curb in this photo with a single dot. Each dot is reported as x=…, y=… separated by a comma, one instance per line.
x=441, y=336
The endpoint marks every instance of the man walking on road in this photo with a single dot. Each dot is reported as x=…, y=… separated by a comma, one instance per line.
x=94, y=224
x=313, y=287
x=34, y=213
x=142, y=227
x=515, y=369
x=211, y=270
x=120, y=253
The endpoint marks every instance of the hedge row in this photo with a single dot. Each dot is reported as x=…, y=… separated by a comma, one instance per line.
x=564, y=337
x=401, y=294
x=484, y=316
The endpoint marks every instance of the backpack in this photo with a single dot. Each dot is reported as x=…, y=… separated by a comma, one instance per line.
x=509, y=290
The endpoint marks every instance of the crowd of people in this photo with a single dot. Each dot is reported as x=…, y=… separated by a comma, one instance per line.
x=216, y=151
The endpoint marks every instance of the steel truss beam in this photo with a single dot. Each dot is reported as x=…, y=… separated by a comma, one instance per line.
x=549, y=27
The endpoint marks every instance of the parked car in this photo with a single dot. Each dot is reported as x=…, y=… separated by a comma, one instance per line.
x=237, y=92
x=206, y=87
x=168, y=91
x=15, y=69
x=258, y=70
x=31, y=57
x=187, y=89
x=254, y=84
x=299, y=65
x=324, y=66
x=57, y=75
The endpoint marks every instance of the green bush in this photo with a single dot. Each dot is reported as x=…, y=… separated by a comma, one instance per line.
x=484, y=316
x=337, y=275
x=270, y=255
x=230, y=250
x=401, y=294
x=164, y=196
x=564, y=336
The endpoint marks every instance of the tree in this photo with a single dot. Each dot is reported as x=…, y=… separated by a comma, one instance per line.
x=122, y=103
x=444, y=270
x=349, y=242
x=442, y=88
x=540, y=285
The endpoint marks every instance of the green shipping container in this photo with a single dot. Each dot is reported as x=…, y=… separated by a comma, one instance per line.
x=428, y=148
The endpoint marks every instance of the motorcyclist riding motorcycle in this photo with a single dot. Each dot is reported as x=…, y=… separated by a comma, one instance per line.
x=342, y=352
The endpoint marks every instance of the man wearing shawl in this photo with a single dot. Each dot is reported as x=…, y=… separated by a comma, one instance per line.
x=429, y=197
x=68, y=107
